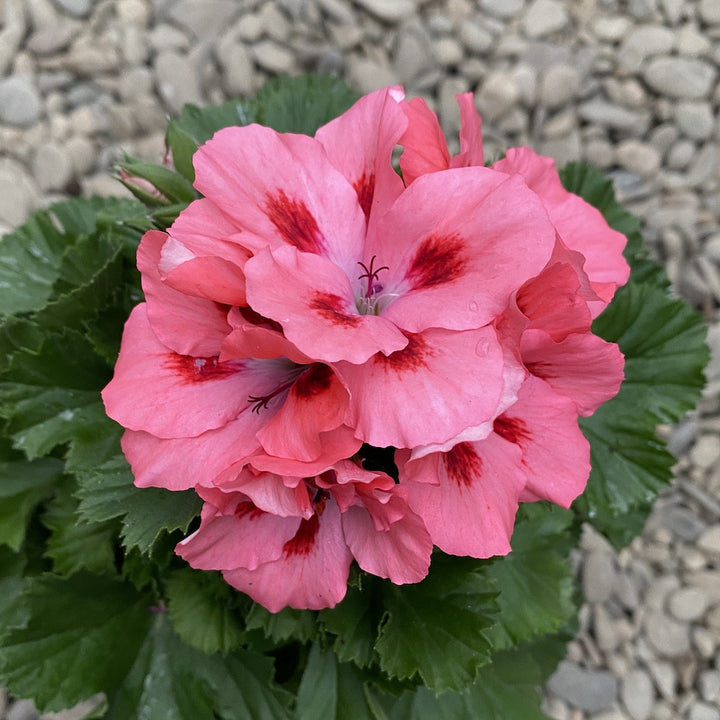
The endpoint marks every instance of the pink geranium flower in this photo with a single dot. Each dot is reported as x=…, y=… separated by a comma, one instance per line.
x=314, y=309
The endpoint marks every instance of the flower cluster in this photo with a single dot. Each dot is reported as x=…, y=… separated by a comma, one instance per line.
x=348, y=363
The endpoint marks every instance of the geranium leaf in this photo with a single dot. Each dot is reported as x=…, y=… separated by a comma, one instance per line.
x=172, y=186
x=204, y=610
x=74, y=545
x=82, y=635
x=535, y=580
x=23, y=485
x=284, y=625
x=330, y=689
x=172, y=681
x=13, y=612
x=438, y=628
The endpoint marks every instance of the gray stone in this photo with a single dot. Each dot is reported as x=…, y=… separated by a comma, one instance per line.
x=683, y=523
x=680, y=154
x=691, y=42
x=23, y=710
x=667, y=636
x=709, y=541
x=701, y=711
x=545, y=17
x=475, y=38
x=236, y=67
x=165, y=37
x=614, y=116
x=673, y=10
x=498, y=95
x=605, y=630
x=643, y=42
x=76, y=8
x=20, y=102
x=52, y=167
x=705, y=165
x=559, y=85
x=448, y=111
x=367, y=75
x=678, y=77
x=49, y=40
x=687, y=604
x=637, y=694
x=448, y=51
x=388, y=10
x=598, y=576
x=664, y=676
x=14, y=28
x=639, y=157
x=590, y=690
x=709, y=11
x=205, y=20
x=339, y=11
x=275, y=24
x=273, y=57
x=709, y=685
x=177, y=80
x=83, y=155
x=503, y=8
x=611, y=29
x=642, y=9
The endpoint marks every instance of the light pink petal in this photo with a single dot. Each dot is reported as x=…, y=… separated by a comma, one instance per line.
x=581, y=226
x=281, y=189
x=555, y=453
x=184, y=463
x=188, y=325
x=375, y=124
x=471, y=145
x=313, y=301
x=468, y=496
x=584, y=367
x=440, y=384
x=456, y=264
x=247, y=538
x=424, y=146
x=171, y=395
x=316, y=403
x=312, y=572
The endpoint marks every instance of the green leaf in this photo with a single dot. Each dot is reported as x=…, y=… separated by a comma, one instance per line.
x=23, y=485
x=13, y=612
x=535, y=581
x=81, y=638
x=439, y=627
x=204, y=611
x=172, y=186
x=330, y=689
x=171, y=681
x=74, y=545
x=284, y=625
x=302, y=104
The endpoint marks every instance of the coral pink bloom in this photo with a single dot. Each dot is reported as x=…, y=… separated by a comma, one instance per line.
x=271, y=542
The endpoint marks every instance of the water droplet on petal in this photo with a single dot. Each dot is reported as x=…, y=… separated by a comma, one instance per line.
x=473, y=306
x=481, y=349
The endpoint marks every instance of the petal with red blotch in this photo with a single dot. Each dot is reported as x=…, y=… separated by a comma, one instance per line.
x=455, y=265
x=582, y=366
x=317, y=403
x=281, y=189
x=400, y=553
x=177, y=396
x=555, y=453
x=188, y=325
x=471, y=145
x=186, y=462
x=440, y=384
x=468, y=496
x=313, y=300
x=312, y=572
x=375, y=124
x=424, y=146
x=581, y=226
x=248, y=538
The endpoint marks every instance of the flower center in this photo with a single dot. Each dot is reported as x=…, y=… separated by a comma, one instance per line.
x=367, y=303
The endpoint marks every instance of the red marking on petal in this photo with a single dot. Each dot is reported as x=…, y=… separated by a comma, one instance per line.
x=513, y=430
x=365, y=189
x=463, y=464
x=410, y=358
x=200, y=369
x=315, y=380
x=294, y=222
x=544, y=370
x=304, y=541
x=332, y=308
x=248, y=510
x=440, y=259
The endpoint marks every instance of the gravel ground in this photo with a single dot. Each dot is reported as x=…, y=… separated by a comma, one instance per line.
x=630, y=86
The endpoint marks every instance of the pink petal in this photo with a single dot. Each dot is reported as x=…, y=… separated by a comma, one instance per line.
x=440, y=384
x=468, y=496
x=424, y=145
x=555, y=453
x=471, y=145
x=375, y=124
x=248, y=538
x=581, y=226
x=584, y=367
x=456, y=265
x=188, y=325
x=281, y=189
x=313, y=300
x=171, y=395
x=312, y=572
